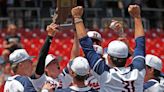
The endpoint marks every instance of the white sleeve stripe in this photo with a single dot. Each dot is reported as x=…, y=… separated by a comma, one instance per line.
x=138, y=57
x=96, y=63
x=64, y=73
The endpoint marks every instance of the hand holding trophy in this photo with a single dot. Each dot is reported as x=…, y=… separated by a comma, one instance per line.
x=63, y=10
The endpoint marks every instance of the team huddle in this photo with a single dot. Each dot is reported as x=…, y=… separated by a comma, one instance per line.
x=94, y=71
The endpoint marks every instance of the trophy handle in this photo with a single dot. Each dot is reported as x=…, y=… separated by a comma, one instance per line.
x=55, y=16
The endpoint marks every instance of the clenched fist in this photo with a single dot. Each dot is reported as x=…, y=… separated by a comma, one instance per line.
x=116, y=25
x=51, y=29
x=77, y=12
x=134, y=11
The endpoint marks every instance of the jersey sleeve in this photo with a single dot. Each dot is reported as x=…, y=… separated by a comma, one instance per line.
x=65, y=78
x=151, y=86
x=139, y=54
x=38, y=83
x=16, y=87
x=95, y=61
x=42, y=56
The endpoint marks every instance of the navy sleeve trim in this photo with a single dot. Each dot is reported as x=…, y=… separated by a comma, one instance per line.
x=65, y=71
x=101, y=67
x=90, y=53
x=149, y=84
x=96, y=64
x=93, y=58
x=85, y=37
x=140, y=46
x=139, y=63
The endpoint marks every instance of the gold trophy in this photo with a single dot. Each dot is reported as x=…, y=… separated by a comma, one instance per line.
x=63, y=10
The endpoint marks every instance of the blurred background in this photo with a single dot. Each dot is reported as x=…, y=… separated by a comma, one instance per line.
x=32, y=16
x=36, y=13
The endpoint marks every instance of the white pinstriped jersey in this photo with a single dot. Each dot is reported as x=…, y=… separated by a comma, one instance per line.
x=153, y=85
x=117, y=79
x=63, y=81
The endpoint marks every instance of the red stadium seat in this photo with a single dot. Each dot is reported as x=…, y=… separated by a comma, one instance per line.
x=33, y=40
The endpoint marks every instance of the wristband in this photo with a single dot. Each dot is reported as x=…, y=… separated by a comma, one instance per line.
x=77, y=20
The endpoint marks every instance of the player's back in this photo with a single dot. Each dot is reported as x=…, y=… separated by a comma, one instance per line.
x=161, y=84
x=76, y=89
x=122, y=80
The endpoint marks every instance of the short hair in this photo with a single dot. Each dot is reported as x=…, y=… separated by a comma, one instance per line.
x=96, y=41
x=118, y=62
x=156, y=72
x=81, y=78
x=14, y=67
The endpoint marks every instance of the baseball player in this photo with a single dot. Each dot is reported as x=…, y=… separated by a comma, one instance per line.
x=79, y=70
x=153, y=81
x=33, y=81
x=115, y=77
x=52, y=72
x=161, y=83
x=22, y=67
x=95, y=36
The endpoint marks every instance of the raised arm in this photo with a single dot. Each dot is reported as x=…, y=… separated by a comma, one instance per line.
x=51, y=30
x=139, y=52
x=75, y=48
x=86, y=43
x=134, y=11
x=77, y=12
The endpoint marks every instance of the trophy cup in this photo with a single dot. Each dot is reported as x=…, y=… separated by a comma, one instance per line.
x=63, y=10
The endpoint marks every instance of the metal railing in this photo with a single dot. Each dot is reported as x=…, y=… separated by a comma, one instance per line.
x=25, y=14
x=4, y=21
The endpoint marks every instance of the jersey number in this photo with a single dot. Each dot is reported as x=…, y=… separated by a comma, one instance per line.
x=129, y=86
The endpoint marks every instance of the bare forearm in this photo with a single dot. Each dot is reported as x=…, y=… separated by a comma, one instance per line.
x=139, y=31
x=5, y=45
x=80, y=30
x=75, y=48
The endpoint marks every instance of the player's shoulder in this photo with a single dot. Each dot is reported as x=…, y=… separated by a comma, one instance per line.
x=12, y=84
x=152, y=83
x=92, y=90
x=162, y=82
x=125, y=73
x=12, y=79
x=84, y=89
x=64, y=90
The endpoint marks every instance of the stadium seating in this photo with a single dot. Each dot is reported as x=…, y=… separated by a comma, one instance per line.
x=33, y=40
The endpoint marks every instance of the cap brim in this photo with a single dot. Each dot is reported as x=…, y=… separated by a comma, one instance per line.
x=56, y=59
x=31, y=57
x=28, y=58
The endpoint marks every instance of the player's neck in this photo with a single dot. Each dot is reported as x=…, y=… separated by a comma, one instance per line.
x=148, y=78
x=21, y=73
x=78, y=83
